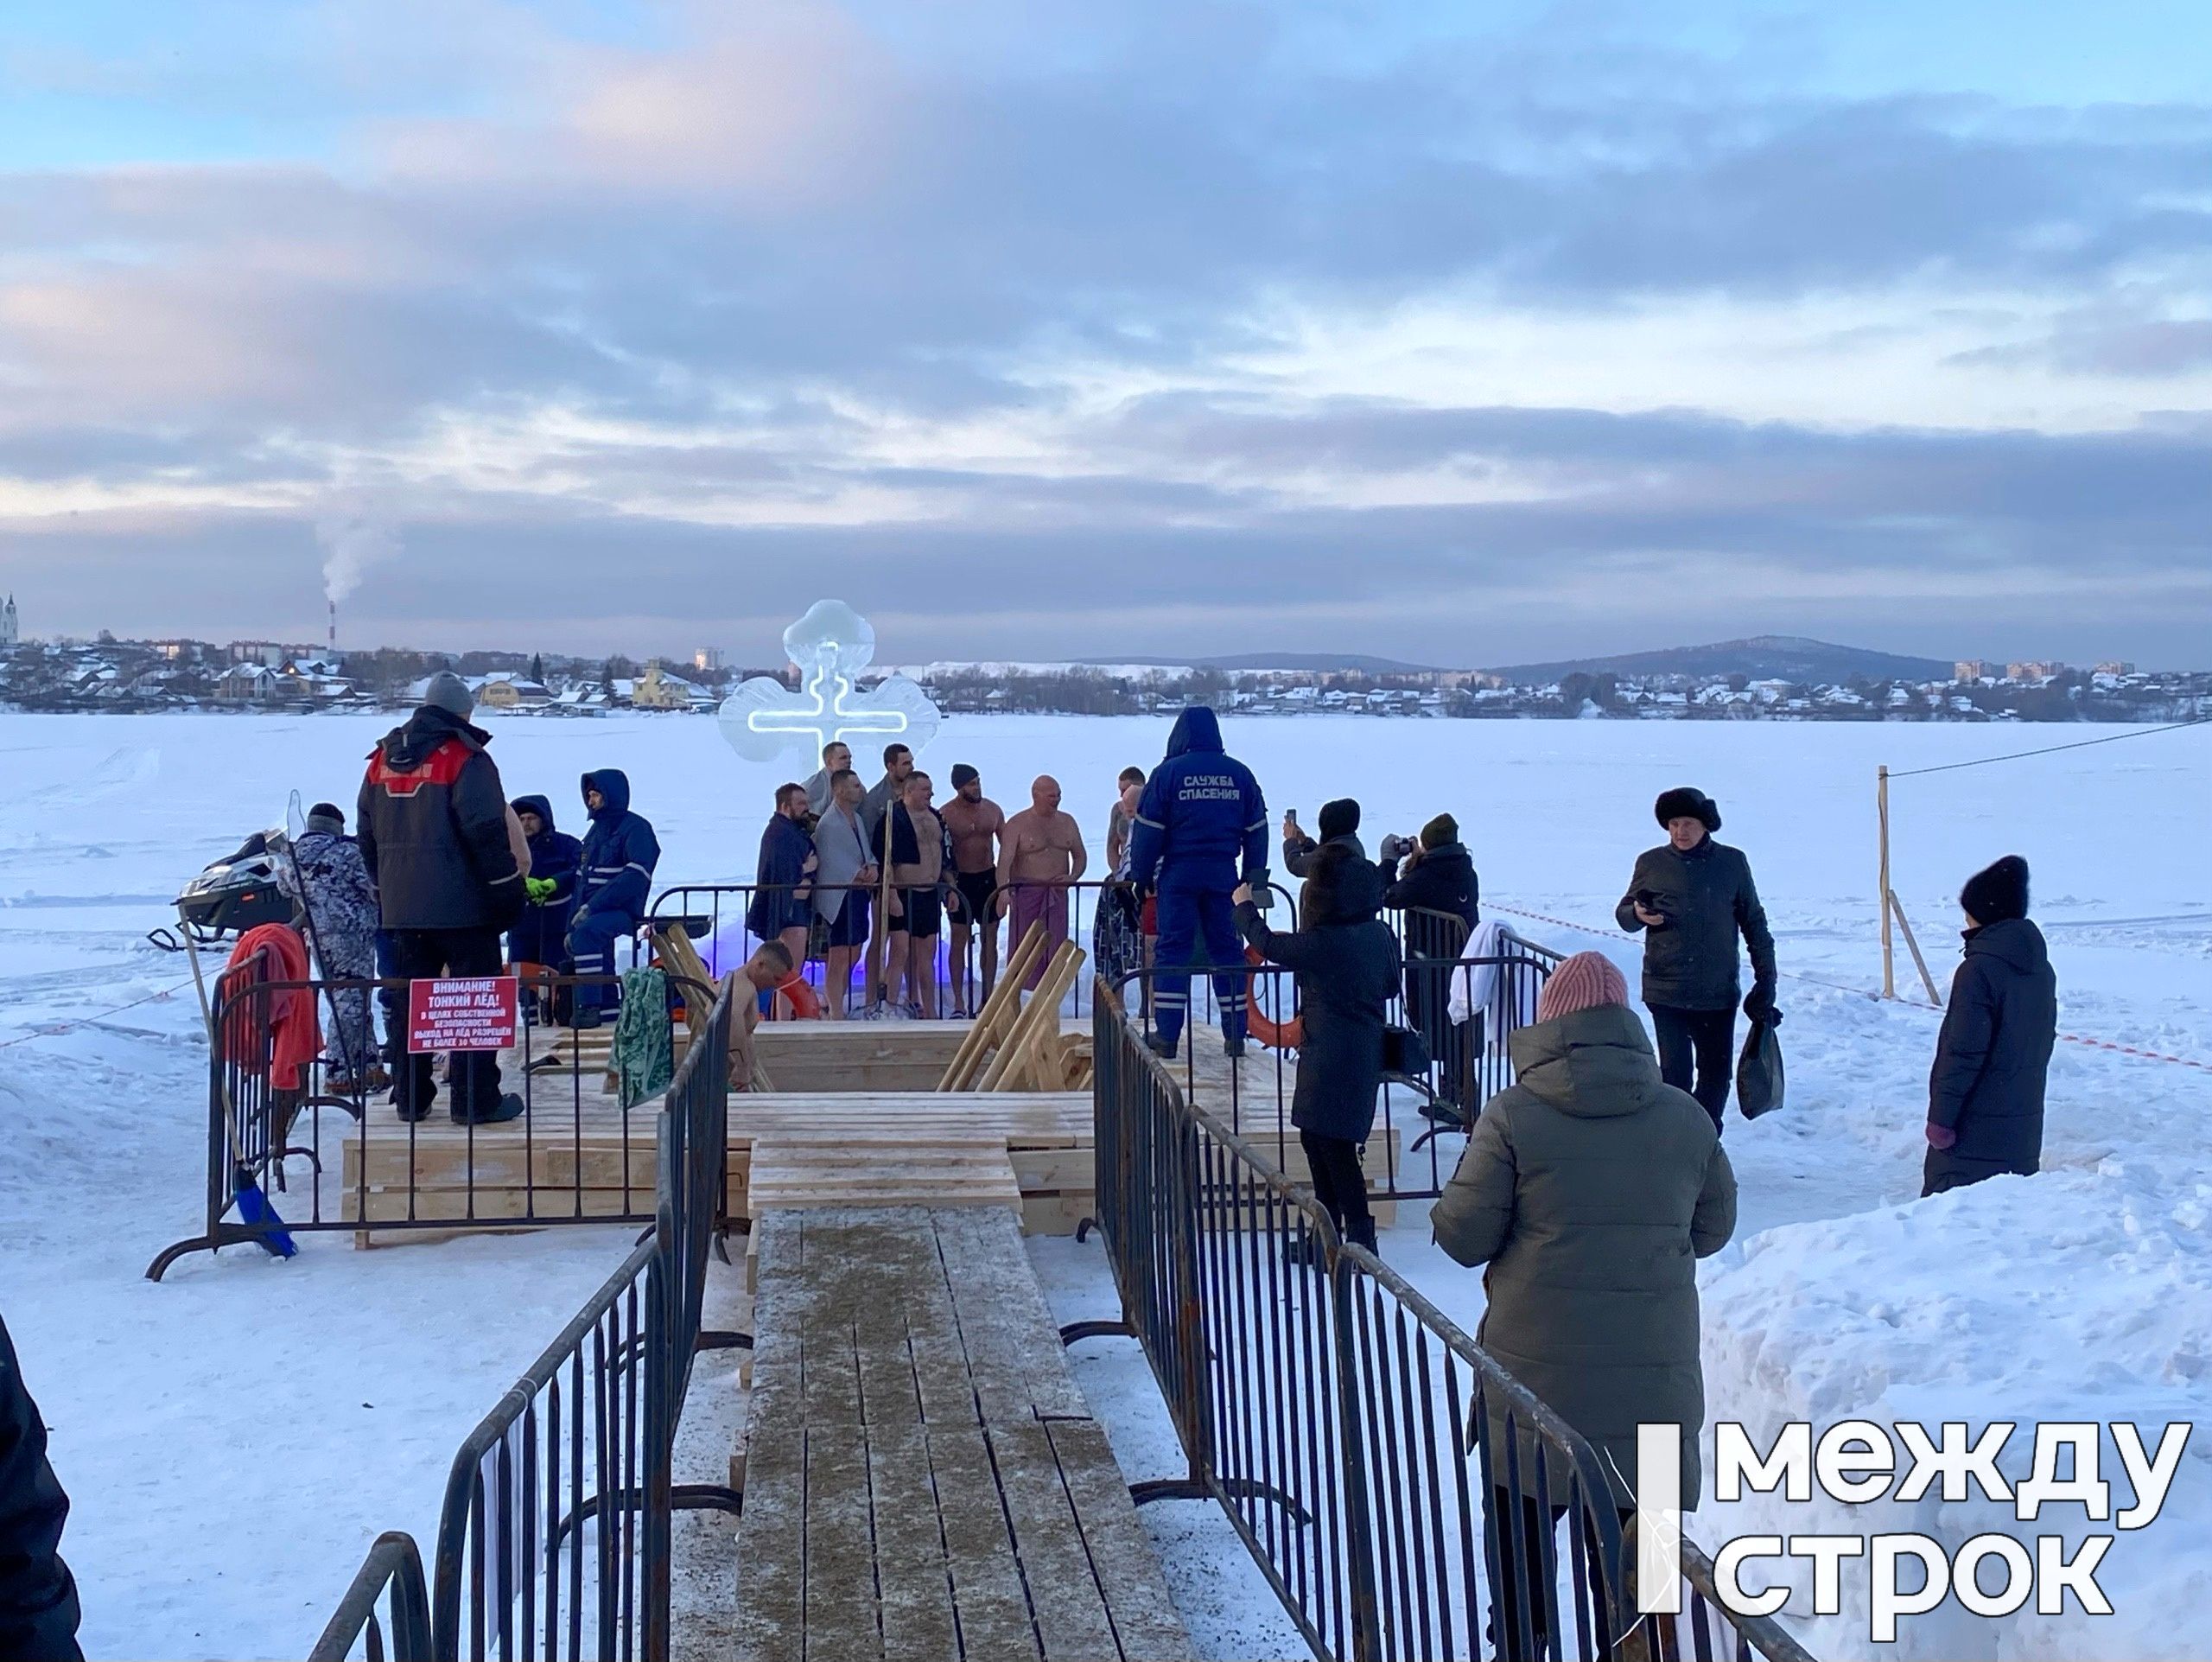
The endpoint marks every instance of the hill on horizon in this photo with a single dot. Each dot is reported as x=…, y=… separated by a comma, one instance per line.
x=1312, y=663
x=1776, y=656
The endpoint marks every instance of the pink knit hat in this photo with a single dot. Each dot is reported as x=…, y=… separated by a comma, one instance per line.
x=1586, y=980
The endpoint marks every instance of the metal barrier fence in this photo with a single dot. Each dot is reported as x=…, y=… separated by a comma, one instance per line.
x=385, y=1614
x=1470, y=1057
x=554, y=1539
x=576, y=1155
x=1398, y=1489
x=719, y=919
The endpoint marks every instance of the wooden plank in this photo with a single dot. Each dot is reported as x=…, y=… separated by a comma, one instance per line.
x=770, y=1624
x=594, y=1164
x=995, y=1619
x=1120, y=1553
x=1041, y=1016
x=1056, y=1214
x=776, y=1377
x=1007, y=1332
x=829, y=1367
x=1064, y=1597
x=998, y=1011
x=911, y=1566
x=840, y=1613
x=1055, y=1169
x=789, y=1175
x=461, y=1206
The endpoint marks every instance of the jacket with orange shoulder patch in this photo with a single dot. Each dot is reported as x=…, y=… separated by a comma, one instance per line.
x=433, y=828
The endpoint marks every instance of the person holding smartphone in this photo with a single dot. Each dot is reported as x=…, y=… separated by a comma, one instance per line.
x=1691, y=898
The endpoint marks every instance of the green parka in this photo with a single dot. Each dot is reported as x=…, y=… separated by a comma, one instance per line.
x=1590, y=1189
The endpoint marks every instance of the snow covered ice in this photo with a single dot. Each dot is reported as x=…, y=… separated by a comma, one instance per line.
x=233, y=1438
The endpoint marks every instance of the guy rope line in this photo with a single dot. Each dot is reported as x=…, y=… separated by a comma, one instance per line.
x=53, y=1029
x=2051, y=749
x=1860, y=992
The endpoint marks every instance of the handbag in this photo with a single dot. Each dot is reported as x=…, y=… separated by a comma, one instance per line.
x=1760, y=1078
x=1405, y=1052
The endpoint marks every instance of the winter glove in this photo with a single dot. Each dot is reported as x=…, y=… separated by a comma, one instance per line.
x=542, y=889
x=1396, y=847
x=1941, y=1137
x=1759, y=1004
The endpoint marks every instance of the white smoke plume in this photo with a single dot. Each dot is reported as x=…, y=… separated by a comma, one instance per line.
x=351, y=543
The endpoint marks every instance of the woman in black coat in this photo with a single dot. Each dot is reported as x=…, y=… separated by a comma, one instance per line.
x=1985, y=1093
x=1347, y=966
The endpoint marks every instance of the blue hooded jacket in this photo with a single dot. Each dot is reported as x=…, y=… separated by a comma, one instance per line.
x=1202, y=814
x=553, y=853
x=620, y=851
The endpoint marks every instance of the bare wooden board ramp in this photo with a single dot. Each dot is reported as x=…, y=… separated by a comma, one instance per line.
x=923, y=1478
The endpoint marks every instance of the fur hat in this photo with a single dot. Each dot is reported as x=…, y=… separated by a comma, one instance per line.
x=449, y=692
x=1997, y=894
x=1339, y=818
x=1686, y=802
x=1587, y=981
x=1439, y=831
x=961, y=773
x=327, y=817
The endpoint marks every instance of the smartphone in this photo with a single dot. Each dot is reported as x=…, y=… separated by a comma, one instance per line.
x=1647, y=898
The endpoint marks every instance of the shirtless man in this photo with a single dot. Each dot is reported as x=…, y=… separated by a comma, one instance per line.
x=917, y=850
x=1040, y=853
x=768, y=969
x=974, y=821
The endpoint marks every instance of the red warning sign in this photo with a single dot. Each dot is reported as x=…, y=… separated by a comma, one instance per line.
x=461, y=1013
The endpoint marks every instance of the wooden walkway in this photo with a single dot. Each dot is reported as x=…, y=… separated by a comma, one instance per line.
x=1244, y=1093
x=922, y=1477
x=845, y=1132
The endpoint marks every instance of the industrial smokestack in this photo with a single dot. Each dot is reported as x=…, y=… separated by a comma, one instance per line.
x=333, y=626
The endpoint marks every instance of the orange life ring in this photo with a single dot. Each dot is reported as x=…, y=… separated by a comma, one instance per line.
x=1277, y=1036
x=805, y=1006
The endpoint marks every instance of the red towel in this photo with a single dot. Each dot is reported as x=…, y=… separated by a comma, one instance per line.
x=295, y=1035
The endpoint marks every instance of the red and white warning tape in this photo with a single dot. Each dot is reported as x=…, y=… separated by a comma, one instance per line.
x=1861, y=992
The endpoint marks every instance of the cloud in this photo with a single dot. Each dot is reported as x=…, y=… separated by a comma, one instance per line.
x=963, y=310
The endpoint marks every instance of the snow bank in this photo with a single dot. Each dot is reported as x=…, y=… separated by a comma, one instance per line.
x=2076, y=1294
x=234, y=1438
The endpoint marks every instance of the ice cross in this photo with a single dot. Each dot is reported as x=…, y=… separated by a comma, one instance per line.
x=764, y=719
x=849, y=712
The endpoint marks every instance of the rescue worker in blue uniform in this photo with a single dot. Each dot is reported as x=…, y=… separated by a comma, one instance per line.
x=1201, y=819
x=620, y=854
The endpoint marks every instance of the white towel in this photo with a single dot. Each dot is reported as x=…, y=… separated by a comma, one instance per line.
x=1478, y=986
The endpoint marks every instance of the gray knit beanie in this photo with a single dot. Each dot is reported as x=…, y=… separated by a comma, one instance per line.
x=449, y=692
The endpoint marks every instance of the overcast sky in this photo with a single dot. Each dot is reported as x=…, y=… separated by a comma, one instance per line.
x=1472, y=333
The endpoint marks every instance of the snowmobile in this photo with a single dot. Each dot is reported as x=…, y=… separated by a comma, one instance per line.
x=237, y=892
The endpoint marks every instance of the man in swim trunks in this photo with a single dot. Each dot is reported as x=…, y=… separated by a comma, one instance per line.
x=1040, y=855
x=918, y=875
x=974, y=822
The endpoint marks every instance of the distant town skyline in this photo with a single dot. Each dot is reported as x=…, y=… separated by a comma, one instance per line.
x=716, y=654
x=1461, y=334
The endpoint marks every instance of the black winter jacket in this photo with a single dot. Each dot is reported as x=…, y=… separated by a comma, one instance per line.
x=1707, y=897
x=38, y=1596
x=1442, y=881
x=1992, y=1057
x=1300, y=852
x=433, y=824
x=1347, y=965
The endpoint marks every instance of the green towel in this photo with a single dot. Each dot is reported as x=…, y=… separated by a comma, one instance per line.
x=645, y=1052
